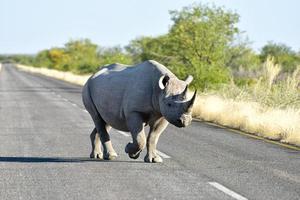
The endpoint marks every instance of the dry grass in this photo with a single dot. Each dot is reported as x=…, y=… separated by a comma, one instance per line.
x=251, y=117
x=66, y=76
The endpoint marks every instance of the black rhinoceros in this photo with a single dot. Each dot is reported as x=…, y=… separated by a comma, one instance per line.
x=128, y=98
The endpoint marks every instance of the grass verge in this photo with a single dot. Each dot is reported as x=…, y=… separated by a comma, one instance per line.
x=66, y=76
x=276, y=124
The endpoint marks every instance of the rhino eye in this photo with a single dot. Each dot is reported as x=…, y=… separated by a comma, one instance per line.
x=169, y=104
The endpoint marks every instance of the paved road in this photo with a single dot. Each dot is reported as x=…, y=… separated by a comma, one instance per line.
x=44, y=134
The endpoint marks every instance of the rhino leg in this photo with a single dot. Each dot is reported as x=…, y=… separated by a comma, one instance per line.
x=96, y=145
x=103, y=128
x=136, y=127
x=156, y=128
x=109, y=152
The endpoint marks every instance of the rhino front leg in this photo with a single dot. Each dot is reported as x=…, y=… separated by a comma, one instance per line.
x=96, y=145
x=136, y=127
x=156, y=128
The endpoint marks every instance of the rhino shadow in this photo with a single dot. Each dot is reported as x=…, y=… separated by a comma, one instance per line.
x=58, y=160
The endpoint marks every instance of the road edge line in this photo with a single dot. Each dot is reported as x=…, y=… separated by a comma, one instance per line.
x=237, y=131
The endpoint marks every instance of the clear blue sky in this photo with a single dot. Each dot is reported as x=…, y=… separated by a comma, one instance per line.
x=27, y=26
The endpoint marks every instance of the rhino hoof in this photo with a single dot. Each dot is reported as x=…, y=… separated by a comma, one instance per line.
x=157, y=159
x=134, y=156
x=110, y=156
x=96, y=155
x=150, y=159
x=130, y=154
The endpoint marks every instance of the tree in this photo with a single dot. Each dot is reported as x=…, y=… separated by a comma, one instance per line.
x=195, y=44
x=242, y=56
x=114, y=55
x=26, y=59
x=199, y=37
x=283, y=55
x=83, y=56
x=43, y=59
x=147, y=48
x=3, y=58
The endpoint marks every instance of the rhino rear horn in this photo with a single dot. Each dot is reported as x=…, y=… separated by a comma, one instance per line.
x=163, y=80
x=191, y=102
x=184, y=93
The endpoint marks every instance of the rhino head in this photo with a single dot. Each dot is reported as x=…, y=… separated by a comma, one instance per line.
x=173, y=102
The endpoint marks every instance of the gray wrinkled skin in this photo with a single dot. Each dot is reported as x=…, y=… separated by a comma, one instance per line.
x=128, y=98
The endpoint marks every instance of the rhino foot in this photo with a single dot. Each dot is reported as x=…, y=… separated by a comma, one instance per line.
x=153, y=158
x=130, y=153
x=110, y=156
x=97, y=155
x=134, y=156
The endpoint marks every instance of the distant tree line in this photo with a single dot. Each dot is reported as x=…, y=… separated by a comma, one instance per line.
x=202, y=40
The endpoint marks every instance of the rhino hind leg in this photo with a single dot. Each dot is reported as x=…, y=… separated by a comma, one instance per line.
x=96, y=145
x=108, y=151
x=100, y=133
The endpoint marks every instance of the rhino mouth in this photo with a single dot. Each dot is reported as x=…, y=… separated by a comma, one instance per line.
x=182, y=122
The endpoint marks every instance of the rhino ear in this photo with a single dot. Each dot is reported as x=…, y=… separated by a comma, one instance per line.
x=189, y=79
x=163, y=80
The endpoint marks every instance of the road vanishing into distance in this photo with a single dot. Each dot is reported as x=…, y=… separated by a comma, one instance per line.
x=45, y=147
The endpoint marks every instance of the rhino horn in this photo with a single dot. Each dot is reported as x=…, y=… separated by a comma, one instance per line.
x=189, y=79
x=190, y=103
x=183, y=94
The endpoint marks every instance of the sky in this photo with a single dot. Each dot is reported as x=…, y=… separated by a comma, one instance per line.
x=28, y=26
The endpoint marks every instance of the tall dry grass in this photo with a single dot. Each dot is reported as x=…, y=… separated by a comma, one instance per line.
x=270, y=108
x=66, y=76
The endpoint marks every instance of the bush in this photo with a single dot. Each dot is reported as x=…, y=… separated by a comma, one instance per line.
x=282, y=54
x=267, y=89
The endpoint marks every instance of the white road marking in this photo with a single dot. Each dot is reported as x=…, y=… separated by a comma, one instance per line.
x=124, y=133
x=162, y=154
x=227, y=191
x=73, y=104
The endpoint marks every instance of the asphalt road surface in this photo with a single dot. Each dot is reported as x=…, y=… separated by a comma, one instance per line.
x=45, y=147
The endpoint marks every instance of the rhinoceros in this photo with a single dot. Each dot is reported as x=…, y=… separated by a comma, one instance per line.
x=128, y=98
